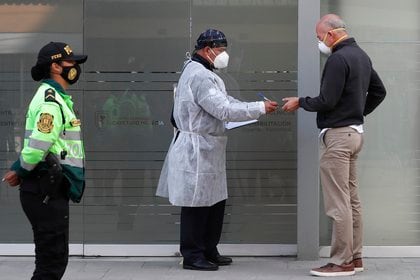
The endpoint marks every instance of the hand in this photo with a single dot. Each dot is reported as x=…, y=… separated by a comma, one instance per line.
x=291, y=105
x=11, y=178
x=270, y=106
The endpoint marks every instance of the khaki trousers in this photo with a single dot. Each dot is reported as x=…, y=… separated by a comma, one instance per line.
x=339, y=151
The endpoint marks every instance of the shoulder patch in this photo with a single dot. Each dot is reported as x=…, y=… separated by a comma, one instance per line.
x=45, y=123
x=50, y=95
x=75, y=122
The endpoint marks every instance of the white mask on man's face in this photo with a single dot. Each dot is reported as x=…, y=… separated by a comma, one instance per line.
x=324, y=48
x=221, y=61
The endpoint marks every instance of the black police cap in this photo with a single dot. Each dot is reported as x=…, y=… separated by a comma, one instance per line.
x=53, y=52
x=58, y=51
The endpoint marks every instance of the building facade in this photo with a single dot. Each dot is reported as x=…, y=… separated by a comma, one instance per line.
x=136, y=49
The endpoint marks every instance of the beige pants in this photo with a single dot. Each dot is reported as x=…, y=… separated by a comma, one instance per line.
x=339, y=150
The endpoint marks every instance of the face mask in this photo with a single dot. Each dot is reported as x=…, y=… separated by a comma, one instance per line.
x=324, y=48
x=71, y=73
x=221, y=61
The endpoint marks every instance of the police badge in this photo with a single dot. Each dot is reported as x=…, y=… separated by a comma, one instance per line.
x=45, y=123
x=72, y=74
x=75, y=122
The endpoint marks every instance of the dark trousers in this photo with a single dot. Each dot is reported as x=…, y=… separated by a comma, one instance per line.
x=50, y=226
x=201, y=228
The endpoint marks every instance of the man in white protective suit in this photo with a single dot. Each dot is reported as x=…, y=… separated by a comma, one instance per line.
x=194, y=172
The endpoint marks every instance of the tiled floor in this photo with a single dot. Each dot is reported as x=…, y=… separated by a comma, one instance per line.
x=243, y=268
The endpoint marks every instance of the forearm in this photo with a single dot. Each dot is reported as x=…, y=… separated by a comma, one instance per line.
x=376, y=93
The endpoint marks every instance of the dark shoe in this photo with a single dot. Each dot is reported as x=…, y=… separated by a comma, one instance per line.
x=334, y=270
x=220, y=260
x=358, y=265
x=200, y=264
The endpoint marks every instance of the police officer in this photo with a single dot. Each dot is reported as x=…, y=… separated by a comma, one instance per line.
x=50, y=168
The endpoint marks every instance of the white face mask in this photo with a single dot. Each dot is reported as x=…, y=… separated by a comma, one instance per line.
x=324, y=48
x=221, y=61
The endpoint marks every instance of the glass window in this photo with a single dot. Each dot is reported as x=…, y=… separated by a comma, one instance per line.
x=389, y=162
x=136, y=49
x=261, y=158
x=25, y=27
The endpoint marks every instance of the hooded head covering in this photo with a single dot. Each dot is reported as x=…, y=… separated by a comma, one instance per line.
x=211, y=38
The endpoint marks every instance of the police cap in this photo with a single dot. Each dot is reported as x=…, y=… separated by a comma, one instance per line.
x=53, y=52
x=57, y=51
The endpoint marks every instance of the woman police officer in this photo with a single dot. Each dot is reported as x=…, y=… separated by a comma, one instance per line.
x=50, y=169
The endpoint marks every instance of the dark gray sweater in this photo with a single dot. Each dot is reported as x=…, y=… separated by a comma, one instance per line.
x=350, y=88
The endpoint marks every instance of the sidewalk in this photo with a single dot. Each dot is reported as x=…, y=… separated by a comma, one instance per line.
x=243, y=268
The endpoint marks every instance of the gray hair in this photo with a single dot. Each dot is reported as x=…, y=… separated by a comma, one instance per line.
x=335, y=22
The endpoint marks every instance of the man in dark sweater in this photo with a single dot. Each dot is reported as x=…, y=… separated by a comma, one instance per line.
x=350, y=89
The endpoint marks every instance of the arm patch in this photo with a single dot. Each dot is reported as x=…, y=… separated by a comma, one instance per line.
x=45, y=123
x=50, y=95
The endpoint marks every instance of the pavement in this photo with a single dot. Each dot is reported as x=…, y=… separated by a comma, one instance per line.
x=243, y=268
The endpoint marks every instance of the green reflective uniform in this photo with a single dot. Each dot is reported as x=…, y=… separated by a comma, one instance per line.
x=52, y=126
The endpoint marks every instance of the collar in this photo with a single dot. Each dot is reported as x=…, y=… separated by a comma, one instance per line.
x=198, y=58
x=346, y=42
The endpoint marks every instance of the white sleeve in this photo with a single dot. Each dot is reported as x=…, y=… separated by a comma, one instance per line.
x=219, y=105
x=262, y=107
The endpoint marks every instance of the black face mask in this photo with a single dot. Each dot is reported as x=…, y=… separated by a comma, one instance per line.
x=71, y=73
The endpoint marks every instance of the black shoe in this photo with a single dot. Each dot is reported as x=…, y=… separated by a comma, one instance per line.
x=220, y=260
x=200, y=264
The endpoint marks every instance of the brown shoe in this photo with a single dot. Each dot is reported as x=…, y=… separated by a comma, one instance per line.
x=334, y=270
x=358, y=265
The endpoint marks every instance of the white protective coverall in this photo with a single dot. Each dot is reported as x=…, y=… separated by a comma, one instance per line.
x=194, y=171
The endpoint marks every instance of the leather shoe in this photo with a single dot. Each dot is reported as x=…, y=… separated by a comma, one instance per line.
x=220, y=260
x=200, y=264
